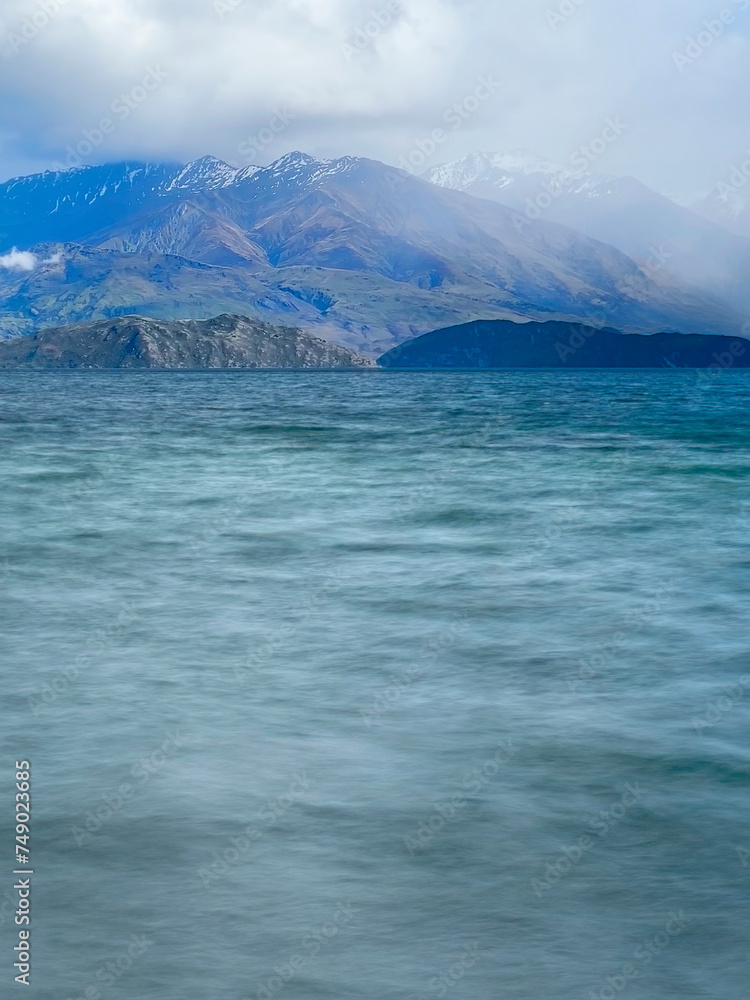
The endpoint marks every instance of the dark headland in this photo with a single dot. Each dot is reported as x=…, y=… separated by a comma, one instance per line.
x=504, y=344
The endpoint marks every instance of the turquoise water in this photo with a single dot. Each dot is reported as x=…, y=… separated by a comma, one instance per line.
x=379, y=685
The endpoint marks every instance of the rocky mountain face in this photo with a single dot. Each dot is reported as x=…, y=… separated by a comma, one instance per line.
x=73, y=205
x=135, y=342
x=503, y=344
x=351, y=249
x=668, y=242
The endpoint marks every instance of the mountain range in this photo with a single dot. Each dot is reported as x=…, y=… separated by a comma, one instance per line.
x=350, y=250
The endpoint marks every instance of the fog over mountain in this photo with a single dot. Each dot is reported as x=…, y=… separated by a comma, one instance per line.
x=707, y=248
x=156, y=80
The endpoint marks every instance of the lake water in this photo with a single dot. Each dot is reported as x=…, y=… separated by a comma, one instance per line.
x=379, y=685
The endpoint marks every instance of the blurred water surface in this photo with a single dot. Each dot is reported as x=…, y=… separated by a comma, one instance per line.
x=379, y=685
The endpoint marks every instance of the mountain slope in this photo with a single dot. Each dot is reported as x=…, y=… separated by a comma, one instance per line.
x=669, y=242
x=71, y=284
x=73, y=205
x=186, y=229
x=135, y=342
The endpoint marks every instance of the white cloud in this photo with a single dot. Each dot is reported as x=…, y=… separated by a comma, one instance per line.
x=18, y=260
x=227, y=74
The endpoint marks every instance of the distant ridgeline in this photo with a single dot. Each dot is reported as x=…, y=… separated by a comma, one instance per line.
x=504, y=344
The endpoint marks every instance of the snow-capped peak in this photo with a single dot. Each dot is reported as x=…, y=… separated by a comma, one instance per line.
x=292, y=166
x=483, y=173
x=295, y=168
x=207, y=173
x=497, y=169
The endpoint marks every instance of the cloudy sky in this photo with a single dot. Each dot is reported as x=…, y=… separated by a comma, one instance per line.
x=248, y=80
